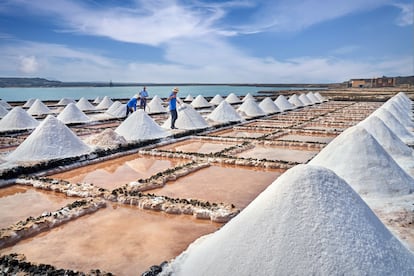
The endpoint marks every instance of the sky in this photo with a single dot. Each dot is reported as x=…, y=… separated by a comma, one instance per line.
x=206, y=41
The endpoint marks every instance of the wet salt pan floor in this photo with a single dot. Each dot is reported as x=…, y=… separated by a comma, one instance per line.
x=278, y=154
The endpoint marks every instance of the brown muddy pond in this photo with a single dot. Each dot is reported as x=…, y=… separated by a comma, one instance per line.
x=198, y=146
x=120, y=239
x=117, y=172
x=278, y=154
x=229, y=184
x=18, y=202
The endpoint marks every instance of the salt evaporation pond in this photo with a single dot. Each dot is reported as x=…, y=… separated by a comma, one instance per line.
x=12, y=210
x=278, y=154
x=198, y=146
x=120, y=239
x=217, y=184
x=117, y=172
x=243, y=133
x=306, y=138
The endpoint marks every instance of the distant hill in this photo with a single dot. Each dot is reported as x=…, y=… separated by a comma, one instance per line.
x=28, y=82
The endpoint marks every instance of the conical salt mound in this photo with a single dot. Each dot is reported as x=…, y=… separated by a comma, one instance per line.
x=84, y=105
x=283, y=103
x=400, y=101
x=188, y=118
x=232, y=99
x=401, y=153
x=313, y=98
x=359, y=159
x=50, y=140
x=105, y=103
x=140, y=126
x=111, y=110
x=402, y=115
x=38, y=108
x=5, y=104
x=251, y=108
x=395, y=125
x=65, y=101
x=320, y=97
x=216, y=100
x=189, y=98
x=72, y=114
x=155, y=106
x=29, y=102
x=17, y=119
x=308, y=222
x=224, y=113
x=97, y=100
x=294, y=99
x=3, y=111
x=403, y=97
x=199, y=102
x=156, y=99
x=305, y=100
x=247, y=97
x=268, y=106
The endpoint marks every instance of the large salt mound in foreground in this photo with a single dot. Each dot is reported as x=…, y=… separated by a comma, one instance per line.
x=51, y=139
x=140, y=126
x=72, y=114
x=357, y=157
x=224, y=113
x=17, y=119
x=308, y=222
x=188, y=118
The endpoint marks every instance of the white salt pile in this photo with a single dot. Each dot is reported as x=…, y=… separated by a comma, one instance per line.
x=84, y=105
x=105, y=103
x=114, y=106
x=97, y=100
x=308, y=222
x=139, y=127
x=72, y=114
x=216, y=100
x=358, y=158
x=232, y=99
x=3, y=111
x=294, y=99
x=106, y=139
x=250, y=108
x=38, y=108
x=29, y=102
x=320, y=97
x=283, y=103
x=155, y=99
x=117, y=110
x=66, y=101
x=247, y=97
x=189, y=98
x=313, y=98
x=305, y=100
x=188, y=118
x=51, y=139
x=5, y=104
x=200, y=102
x=17, y=119
x=269, y=106
x=395, y=125
x=155, y=106
x=224, y=113
x=401, y=153
x=400, y=112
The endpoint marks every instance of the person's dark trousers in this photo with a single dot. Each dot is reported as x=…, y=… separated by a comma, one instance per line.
x=143, y=103
x=174, y=117
x=129, y=110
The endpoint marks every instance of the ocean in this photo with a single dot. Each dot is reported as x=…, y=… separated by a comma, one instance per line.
x=125, y=92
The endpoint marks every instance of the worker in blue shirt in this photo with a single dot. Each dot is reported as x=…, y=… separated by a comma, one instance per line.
x=143, y=96
x=173, y=106
x=132, y=105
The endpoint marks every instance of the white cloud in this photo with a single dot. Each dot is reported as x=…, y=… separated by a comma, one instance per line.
x=28, y=64
x=406, y=17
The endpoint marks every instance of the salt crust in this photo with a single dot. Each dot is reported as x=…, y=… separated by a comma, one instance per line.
x=232, y=99
x=199, y=102
x=283, y=103
x=251, y=109
x=140, y=126
x=224, y=113
x=308, y=222
x=268, y=106
x=294, y=99
x=51, y=139
x=84, y=104
x=400, y=112
x=72, y=114
x=106, y=139
x=105, y=103
x=357, y=157
x=38, y=108
x=188, y=118
x=217, y=99
x=17, y=119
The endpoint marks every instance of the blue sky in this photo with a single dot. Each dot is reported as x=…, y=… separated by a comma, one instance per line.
x=240, y=41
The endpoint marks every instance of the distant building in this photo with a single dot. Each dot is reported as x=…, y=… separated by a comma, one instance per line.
x=372, y=83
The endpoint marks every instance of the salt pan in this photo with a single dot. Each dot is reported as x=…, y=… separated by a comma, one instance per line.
x=308, y=222
x=17, y=119
x=224, y=113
